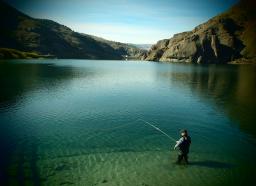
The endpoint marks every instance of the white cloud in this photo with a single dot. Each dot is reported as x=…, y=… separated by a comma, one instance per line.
x=122, y=33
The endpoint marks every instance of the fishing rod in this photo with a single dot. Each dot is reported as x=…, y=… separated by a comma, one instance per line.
x=150, y=124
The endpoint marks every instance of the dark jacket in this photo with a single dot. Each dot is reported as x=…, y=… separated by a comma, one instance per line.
x=183, y=144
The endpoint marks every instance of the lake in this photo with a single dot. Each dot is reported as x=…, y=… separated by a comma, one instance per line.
x=79, y=122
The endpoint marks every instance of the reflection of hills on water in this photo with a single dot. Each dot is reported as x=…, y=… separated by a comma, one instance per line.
x=232, y=88
x=18, y=79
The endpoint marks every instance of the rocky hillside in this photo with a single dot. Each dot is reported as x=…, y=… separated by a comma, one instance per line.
x=224, y=38
x=45, y=37
x=8, y=53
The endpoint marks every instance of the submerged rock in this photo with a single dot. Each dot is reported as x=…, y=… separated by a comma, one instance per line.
x=62, y=167
x=104, y=181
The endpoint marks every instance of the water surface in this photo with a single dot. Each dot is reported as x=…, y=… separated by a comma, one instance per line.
x=76, y=122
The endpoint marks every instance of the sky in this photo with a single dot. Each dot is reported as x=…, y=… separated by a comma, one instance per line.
x=128, y=21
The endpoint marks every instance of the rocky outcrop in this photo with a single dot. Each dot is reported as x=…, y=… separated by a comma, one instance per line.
x=224, y=38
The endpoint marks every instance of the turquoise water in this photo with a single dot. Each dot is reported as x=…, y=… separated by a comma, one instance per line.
x=77, y=122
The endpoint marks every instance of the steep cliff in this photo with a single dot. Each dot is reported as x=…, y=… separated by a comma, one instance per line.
x=224, y=38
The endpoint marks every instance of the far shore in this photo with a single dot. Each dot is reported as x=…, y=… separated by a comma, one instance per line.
x=8, y=53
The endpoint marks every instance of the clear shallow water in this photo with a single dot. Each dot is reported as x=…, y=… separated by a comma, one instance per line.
x=75, y=122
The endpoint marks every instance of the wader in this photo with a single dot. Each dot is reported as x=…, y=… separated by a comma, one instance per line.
x=184, y=150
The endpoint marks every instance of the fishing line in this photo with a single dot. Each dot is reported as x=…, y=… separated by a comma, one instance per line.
x=132, y=123
x=150, y=124
x=102, y=131
x=117, y=127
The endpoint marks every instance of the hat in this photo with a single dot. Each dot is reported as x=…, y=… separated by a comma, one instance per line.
x=184, y=131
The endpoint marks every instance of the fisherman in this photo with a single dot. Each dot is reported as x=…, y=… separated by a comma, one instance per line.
x=183, y=146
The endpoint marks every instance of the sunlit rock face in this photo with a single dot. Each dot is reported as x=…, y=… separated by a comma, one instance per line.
x=222, y=39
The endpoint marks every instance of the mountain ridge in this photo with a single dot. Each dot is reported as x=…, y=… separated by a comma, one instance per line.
x=229, y=36
x=46, y=37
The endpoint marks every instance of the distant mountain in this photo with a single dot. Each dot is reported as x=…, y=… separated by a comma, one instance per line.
x=230, y=36
x=45, y=37
x=143, y=46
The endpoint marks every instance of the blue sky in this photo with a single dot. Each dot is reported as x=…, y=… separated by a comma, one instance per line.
x=129, y=21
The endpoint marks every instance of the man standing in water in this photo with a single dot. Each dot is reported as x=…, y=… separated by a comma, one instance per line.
x=183, y=146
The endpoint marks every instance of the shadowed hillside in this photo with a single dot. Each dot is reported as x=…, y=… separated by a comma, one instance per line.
x=46, y=37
